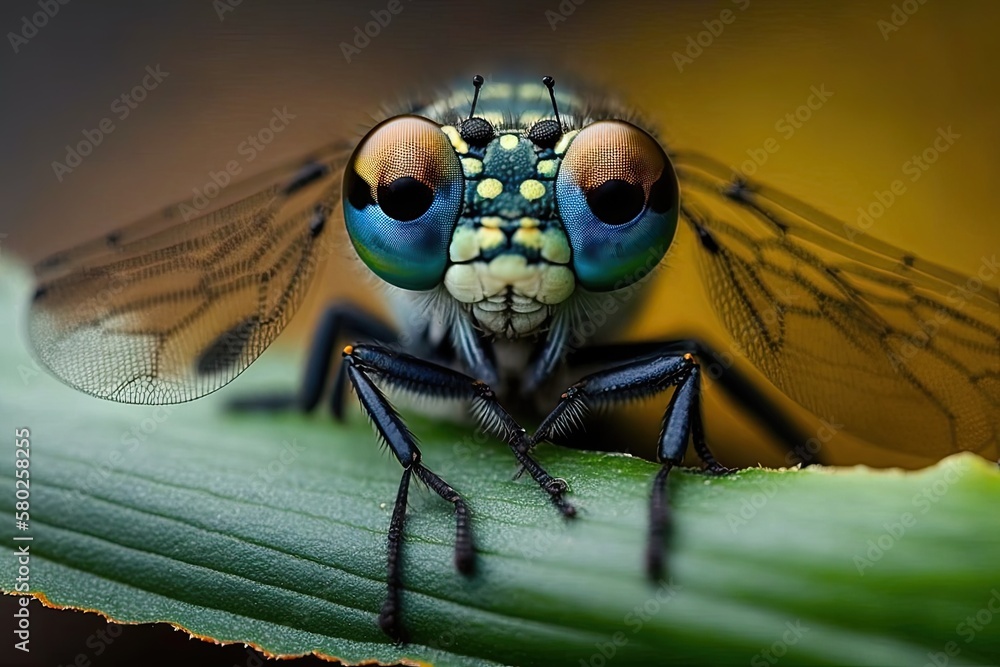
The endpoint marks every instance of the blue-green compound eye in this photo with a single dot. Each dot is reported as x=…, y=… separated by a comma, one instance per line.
x=402, y=195
x=618, y=200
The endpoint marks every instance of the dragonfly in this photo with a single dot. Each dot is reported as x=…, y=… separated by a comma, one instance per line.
x=497, y=226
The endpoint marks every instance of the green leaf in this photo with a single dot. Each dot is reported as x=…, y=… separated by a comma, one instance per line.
x=271, y=530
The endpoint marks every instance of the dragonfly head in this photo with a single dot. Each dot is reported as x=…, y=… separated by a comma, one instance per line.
x=510, y=220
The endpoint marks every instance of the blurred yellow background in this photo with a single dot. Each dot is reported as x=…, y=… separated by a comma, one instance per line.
x=892, y=89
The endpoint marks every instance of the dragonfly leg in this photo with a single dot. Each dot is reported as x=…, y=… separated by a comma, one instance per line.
x=724, y=373
x=427, y=378
x=645, y=376
x=397, y=436
x=339, y=321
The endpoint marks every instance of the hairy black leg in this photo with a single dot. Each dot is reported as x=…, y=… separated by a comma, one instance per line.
x=388, y=618
x=426, y=378
x=394, y=433
x=681, y=421
x=659, y=523
x=465, y=555
x=339, y=321
x=647, y=375
x=723, y=371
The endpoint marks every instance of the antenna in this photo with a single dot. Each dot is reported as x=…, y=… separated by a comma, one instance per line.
x=546, y=133
x=476, y=131
x=550, y=83
x=477, y=81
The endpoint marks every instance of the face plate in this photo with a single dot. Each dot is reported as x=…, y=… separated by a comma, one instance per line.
x=509, y=252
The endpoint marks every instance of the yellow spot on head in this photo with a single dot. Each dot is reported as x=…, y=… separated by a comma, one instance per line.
x=457, y=142
x=489, y=237
x=508, y=142
x=491, y=221
x=471, y=166
x=528, y=237
x=528, y=222
x=489, y=188
x=547, y=168
x=349, y=350
x=532, y=189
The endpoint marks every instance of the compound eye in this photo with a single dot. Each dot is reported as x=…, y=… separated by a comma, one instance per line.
x=618, y=199
x=402, y=196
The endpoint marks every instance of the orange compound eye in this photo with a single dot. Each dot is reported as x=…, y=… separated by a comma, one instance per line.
x=618, y=199
x=402, y=195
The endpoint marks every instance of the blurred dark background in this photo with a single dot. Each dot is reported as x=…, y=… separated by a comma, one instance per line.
x=895, y=78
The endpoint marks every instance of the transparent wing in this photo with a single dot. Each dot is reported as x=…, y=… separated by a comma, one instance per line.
x=176, y=305
x=903, y=352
